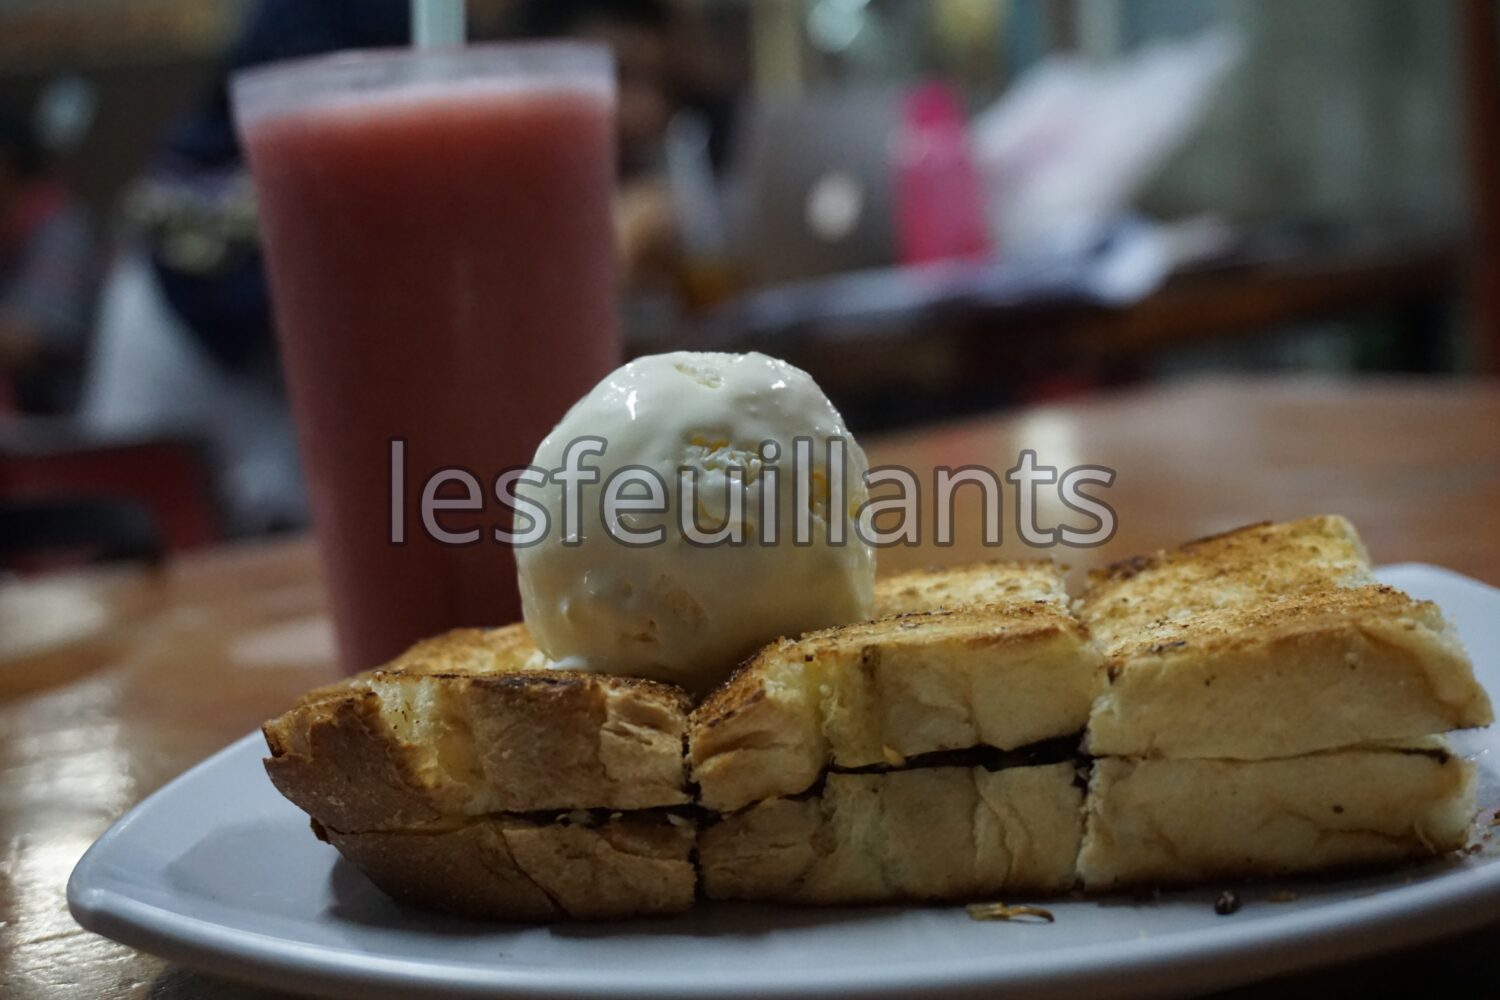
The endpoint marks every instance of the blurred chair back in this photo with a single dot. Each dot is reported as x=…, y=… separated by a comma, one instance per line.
x=67, y=497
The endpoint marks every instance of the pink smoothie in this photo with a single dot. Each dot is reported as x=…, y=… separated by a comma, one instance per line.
x=442, y=270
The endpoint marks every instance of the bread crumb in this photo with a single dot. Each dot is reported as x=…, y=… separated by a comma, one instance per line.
x=1021, y=913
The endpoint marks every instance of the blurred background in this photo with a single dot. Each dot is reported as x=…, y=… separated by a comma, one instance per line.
x=937, y=207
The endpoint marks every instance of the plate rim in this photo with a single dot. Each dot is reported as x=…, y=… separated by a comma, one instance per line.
x=1221, y=956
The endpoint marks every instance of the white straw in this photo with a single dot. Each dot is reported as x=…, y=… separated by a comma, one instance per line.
x=437, y=23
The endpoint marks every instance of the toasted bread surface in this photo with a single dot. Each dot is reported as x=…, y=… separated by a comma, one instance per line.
x=948, y=588
x=941, y=833
x=528, y=869
x=1270, y=641
x=1235, y=569
x=504, y=650
x=1180, y=821
x=1002, y=675
x=470, y=724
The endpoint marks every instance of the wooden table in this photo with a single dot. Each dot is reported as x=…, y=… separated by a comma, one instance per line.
x=112, y=682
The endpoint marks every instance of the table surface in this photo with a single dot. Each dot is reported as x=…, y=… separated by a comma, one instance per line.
x=114, y=681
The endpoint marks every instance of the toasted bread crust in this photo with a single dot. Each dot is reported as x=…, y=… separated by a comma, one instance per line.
x=336, y=760
x=462, y=727
x=522, y=869
x=1180, y=821
x=942, y=833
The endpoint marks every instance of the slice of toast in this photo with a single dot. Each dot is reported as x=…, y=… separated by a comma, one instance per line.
x=472, y=723
x=1003, y=675
x=524, y=868
x=1269, y=641
x=929, y=834
x=1154, y=822
x=467, y=776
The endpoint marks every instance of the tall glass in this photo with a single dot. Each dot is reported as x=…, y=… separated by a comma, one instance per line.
x=438, y=236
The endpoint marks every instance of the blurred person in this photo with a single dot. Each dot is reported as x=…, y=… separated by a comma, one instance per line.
x=639, y=34
x=185, y=338
x=665, y=65
x=48, y=272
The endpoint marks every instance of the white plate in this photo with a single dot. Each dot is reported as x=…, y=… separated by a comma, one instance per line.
x=217, y=871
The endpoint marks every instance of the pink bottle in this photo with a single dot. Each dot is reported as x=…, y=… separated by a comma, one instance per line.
x=938, y=194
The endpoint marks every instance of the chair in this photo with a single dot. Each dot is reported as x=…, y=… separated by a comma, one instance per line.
x=65, y=494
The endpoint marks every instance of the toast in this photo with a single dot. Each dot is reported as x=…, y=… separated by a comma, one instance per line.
x=1269, y=641
x=578, y=867
x=1006, y=674
x=1258, y=705
x=1164, y=822
x=1268, y=710
x=938, y=833
x=467, y=776
x=472, y=723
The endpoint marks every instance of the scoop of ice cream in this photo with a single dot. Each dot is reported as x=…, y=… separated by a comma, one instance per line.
x=720, y=433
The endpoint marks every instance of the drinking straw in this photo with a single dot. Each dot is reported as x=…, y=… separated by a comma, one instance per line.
x=437, y=23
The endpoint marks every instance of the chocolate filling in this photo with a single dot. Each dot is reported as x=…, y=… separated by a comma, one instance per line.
x=1054, y=751
x=1063, y=749
x=1441, y=756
